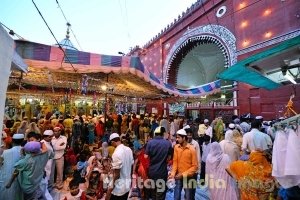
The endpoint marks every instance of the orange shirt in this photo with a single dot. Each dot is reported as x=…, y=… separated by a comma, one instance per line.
x=184, y=160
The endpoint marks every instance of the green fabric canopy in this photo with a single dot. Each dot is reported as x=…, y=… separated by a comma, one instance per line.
x=240, y=71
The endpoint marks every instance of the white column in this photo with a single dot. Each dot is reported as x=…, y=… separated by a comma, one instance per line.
x=235, y=97
x=6, y=55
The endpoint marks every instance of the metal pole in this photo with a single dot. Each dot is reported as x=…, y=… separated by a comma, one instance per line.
x=105, y=103
x=235, y=104
x=65, y=102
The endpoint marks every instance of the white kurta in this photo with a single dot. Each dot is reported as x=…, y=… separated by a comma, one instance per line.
x=292, y=166
x=254, y=140
x=197, y=148
x=122, y=159
x=285, y=159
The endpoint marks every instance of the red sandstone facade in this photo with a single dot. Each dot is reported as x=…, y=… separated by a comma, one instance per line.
x=256, y=26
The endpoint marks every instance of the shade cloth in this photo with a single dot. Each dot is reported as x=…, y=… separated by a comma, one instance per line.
x=51, y=57
x=241, y=72
x=18, y=63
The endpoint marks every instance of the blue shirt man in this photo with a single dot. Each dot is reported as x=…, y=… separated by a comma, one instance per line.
x=159, y=151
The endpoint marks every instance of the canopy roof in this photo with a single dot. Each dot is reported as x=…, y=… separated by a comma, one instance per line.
x=127, y=75
x=260, y=69
x=18, y=63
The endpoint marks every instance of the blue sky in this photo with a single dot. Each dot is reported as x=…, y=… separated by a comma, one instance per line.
x=100, y=26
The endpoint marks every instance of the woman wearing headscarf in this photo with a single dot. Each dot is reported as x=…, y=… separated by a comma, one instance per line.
x=93, y=162
x=22, y=128
x=229, y=146
x=254, y=177
x=221, y=185
x=46, y=126
x=32, y=127
x=218, y=126
x=15, y=127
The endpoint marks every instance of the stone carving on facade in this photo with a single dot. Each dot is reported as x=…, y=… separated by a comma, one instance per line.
x=217, y=34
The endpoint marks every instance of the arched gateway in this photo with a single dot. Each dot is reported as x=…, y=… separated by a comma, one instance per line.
x=199, y=55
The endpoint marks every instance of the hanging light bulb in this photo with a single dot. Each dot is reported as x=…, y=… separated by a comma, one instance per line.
x=268, y=34
x=267, y=12
x=104, y=87
x=244, y=24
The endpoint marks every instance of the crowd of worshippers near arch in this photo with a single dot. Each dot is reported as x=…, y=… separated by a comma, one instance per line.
x=147, y=156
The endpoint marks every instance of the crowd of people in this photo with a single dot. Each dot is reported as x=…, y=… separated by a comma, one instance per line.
x=122, y=156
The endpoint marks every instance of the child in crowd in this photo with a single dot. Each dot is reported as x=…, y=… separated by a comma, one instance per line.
x=96, y=153
x=95, y=188
x=75, y=193
x=140, y=169
x=69, y=178
x=80, y=172
x=93, y=162
x=106, y=173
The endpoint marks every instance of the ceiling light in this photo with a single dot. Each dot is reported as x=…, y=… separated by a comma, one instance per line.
x=294, y=62
x=290, y=78
x=242, y=5
x=268, y=34
x=267, y=12
x=104, y=87
x=244, y=24
x=286, y=73
x=245, y=43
